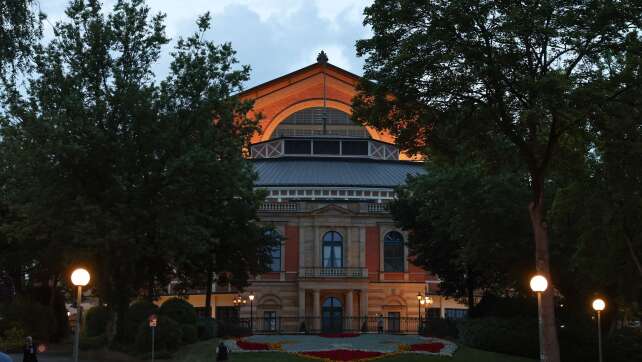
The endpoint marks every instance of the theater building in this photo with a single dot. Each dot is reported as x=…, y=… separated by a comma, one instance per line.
x=342, y=262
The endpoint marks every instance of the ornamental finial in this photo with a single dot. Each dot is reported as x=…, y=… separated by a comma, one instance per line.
x=322, y=58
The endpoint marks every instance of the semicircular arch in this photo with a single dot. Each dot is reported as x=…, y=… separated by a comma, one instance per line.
x=280, y=116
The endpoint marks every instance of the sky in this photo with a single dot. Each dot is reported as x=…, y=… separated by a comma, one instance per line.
x=274, y=37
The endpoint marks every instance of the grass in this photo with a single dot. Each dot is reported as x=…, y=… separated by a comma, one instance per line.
x=206, y=351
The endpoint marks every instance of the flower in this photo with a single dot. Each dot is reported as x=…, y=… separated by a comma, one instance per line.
x=427, y=347
x=252, y=346
x=343, y=355
x=403, y=348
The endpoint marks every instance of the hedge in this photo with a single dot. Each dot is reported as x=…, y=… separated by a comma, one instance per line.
x=189, y=334
x=515, y=336
x=96, y=321
x=138, y=313
x=35, y=319
x=168, y=335
x=207, y=328
x=179, y=310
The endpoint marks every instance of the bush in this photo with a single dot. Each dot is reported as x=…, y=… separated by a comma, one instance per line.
x=624, y=345
x=439, y=328
x=227, y=329
x=138, y=313
x=179, y=310
x=168, y=335
x=190, y=334
x=34, y=319
x=93, y=342
x=96, y=321
x=12, y=339
x=207, y=328
x=516, y=336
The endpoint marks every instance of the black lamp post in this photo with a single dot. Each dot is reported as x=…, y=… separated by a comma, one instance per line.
x=251, y=297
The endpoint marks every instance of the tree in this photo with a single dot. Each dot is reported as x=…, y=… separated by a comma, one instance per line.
x=531, y=72
x=20, y=30
x=466, y=227
x=138, y=180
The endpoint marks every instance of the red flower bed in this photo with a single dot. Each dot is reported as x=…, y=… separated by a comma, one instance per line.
x=251, y=346
x=427, y=347
x=343, y=355
x=338, y=335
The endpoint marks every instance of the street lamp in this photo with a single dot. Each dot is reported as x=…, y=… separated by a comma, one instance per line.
x=539, y=285
x=251, y=296
x=419, y=300
x=599, y=305
x=80, y=278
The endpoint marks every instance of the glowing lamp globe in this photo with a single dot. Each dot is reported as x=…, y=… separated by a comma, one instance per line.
x=80, y=277
x=539, y=283
x=251, y=296
x=599, y=304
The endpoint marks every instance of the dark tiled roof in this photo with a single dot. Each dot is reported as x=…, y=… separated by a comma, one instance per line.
x=333, y=172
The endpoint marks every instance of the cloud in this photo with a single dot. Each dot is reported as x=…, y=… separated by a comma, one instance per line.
x=274, y=37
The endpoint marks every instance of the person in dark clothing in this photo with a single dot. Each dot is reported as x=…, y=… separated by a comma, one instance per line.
x=29, y=352
x=222, y=352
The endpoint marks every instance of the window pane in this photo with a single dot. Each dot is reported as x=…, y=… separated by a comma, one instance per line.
x=393, y=252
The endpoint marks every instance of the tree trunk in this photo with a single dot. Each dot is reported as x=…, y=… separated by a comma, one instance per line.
x=208, y=290
x=551, y=350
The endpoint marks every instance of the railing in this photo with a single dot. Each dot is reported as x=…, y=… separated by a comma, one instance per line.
x=314, y=325
x=279, y=207
x=377, y=208
x=320, y=272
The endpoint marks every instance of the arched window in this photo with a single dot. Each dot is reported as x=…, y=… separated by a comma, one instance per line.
x=332, y=250
x=393, y=255
x=275, y=252
x=308, y=122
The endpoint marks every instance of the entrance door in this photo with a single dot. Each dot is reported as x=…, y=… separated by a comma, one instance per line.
x=332, y=315
x=394, y=319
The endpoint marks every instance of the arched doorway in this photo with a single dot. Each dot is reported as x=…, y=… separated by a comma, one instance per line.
x=332, y=315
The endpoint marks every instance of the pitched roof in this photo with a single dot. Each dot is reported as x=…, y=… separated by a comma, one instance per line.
x=334, y=172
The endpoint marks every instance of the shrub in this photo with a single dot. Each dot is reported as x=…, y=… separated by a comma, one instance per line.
x=96, y=321
x=207, y=328
x=35, y=319
x=93, y=342
x=168, y=335
x=228, y=329
x=12, y=339
x=516, y=336
x=179, y=310
x=189, y=334
x=624, y=345
x=440, y=328
x=138, y=313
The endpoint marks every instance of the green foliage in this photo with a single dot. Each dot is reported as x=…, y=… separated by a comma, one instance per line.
x=96, y=321
x=168, y=335
x=189, y=334
x=34, y=319
x=229, y=329
x=624, y=345
x=179, y=310
x=138, y=312
x=12, y=339
x=93, y=342
x=144, y=181
x=207, y=328
x=515, y=336
x=467, y=224
x=440, y=328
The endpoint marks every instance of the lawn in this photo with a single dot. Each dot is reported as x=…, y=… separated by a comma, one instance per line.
x=205, y=352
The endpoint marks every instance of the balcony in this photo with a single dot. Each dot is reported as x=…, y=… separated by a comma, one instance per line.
x=320, y=272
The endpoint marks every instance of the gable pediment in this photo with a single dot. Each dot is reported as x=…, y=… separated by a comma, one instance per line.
x=332, y=210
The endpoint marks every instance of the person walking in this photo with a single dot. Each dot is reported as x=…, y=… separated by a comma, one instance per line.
x=380, y=324
x=29, y=351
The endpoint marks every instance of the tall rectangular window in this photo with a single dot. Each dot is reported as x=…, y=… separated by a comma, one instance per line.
x=269, y=321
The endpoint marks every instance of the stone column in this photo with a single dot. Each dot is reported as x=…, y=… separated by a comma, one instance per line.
x=349, y=310
x=363, y=307
x=316, y=324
